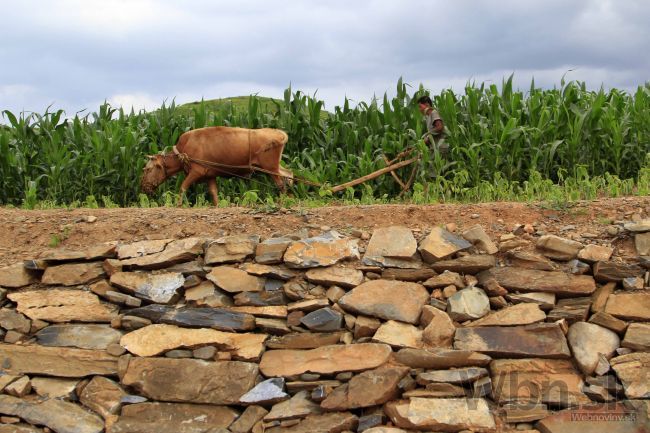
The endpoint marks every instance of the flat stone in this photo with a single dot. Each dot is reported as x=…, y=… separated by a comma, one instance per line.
x=14, y=321
x=637, y=337
x=544, y=340
x=471, y=264
x=304, y=340
x=73, y=274
x=436, y=390
x=641, y=242
x=299, y=406
x=629, y=306
x=550, y=381
x=545, y=300
x=97, y=337
x=592, y=418
x=60, y=416
x=441, y=358
x=308, y=305
x=531, y=280
x=102, y=396
x=325, y=250
x=122, y=299
x=365, y=326
x=159, y=288
x=441, y=414
x=215, y=318
x=370, y=388
x=412, y=275
x=272, y=326
x=440, y=244
x=587, y=341
x=638, y=226
x=190, y=380
x=272, y=250
x=55, y=361
x=514, y=315
x=390, y=300
x=234, y=280
x=141, y=248
x=558, y=248
x=53, y=387
x=272, y=311
x=175, y=252
x=439, y=328
x=600, y=296
x=277, y=272
x=154, y=340
x=324, y=319
x=94, y=252
x=173, y=418
x=445, y=279
x=614, y=271
x=530, y=260
x=457, y=376
x=468, y=304
x=16, y=276
x=392, y=246
x=595, y=253
x=399, y=334
x=335, y=276
x=633, y=370
x=207, y=295
x=63, y=305
x=326, y=423
x=268, y=392
x=251, y=416
x=608, y=321
x=231, y=249
x=179, y=353
x=477, y=236
x=19, y=387
x=324, y=360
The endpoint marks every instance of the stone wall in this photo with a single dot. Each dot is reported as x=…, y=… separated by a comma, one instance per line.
x=324, y=332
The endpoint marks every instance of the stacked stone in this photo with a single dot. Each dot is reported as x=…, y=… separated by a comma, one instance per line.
x=328, y=333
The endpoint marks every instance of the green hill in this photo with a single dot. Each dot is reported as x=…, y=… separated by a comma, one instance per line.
x=239, y=103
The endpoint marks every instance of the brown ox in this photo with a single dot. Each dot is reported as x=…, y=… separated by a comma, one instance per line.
x=233, y=151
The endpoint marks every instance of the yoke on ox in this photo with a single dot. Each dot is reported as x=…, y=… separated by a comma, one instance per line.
x=219, y=151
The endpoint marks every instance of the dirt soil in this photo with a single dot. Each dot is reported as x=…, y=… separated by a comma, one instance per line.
x=25, y=234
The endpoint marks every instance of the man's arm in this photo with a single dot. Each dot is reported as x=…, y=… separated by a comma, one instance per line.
x=438, y=126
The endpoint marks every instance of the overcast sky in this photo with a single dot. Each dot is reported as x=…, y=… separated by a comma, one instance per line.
x=73, y=54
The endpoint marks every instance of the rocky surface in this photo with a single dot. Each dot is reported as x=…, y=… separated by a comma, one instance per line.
x=387, y=331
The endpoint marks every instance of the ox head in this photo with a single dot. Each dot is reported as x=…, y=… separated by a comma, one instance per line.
x=153, y=174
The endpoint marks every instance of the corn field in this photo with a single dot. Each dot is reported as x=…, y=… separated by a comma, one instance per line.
x=504, y=144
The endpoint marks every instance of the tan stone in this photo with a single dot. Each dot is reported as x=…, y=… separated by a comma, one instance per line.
x=544, y=340
x=63, y=305
x=629, y=306
x=550, y=381
x=365, y=326
x=277, y=272
x=177, y=251
x=142, y=248
x=324, y=360
x=14, y=321
x=333, y=422
x=595, y=253
x=477, y=236
x=60, y=416
x=457, y=376
x=637, y=337
x=335, y=276
x=471, y=264
x=633, y=370
x=445, y=279
x=392, y=246
x=15, y=276
x=588, y=341
x=55, y=361
x=235, y=280
x=231, y=249
x=600, y=296
x=304, y=340
x=272, y=311
x=390, y=300
x=530, y=260
x=641, y=242
x=558, y=248
x=19, y=387
x=173, y=418
x=439, y=328
x=162, y=288
x=441, y=414
x=94, y=252
x=102, y=396
x=399, y=334
x=271, y=250
x=190, y=380
x=592, y=418
x=53, y=387
x=90, y=336
x=440, y=244
x=531, y=280
x=518, y=314
x=251, y=416
x=154, y=340
x=73, y=274
x=616, y=271
x=370, y=388
x=325, y=250
x=299, y=406
x=441, y=358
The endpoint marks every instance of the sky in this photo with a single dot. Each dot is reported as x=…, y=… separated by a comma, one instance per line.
x=75, y=54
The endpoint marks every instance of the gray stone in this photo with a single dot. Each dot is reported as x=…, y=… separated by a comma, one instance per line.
x=392, y=246
x=272, y=250
x=159, y=288
x=222, y=320
x=558, y=248
x=440, y=244
x=468, y=304
x=11, y=320
x=642, y=244
x=471, y=264
x=269, y=392
x=97, y=337
x=587, y=341
x=324, y=319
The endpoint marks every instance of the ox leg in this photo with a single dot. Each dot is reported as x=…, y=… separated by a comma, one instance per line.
x=190, y=179
x=212, y=187
x=279, y=182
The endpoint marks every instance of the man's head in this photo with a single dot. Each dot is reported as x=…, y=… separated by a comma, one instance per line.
x=424, y=103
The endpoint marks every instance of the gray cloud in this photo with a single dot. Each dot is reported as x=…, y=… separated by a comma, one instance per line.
x=75, y=54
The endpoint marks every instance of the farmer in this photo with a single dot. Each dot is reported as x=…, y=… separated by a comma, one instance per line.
x=435, y=135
